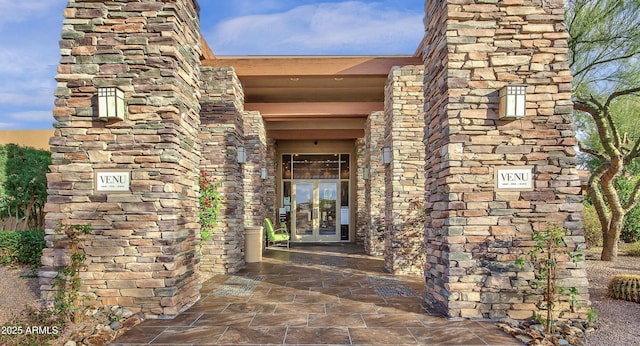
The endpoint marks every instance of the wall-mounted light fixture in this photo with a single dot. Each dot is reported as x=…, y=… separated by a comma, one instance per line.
x=111, y=103
x=242, y=155
x=263, y=173
x=386, y=155
x=365, y=173
x=513, y=101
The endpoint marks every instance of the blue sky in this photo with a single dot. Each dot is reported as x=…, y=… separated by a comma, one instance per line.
x=30, y=32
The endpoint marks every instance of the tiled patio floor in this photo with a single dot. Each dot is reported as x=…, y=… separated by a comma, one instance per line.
x=310, y=295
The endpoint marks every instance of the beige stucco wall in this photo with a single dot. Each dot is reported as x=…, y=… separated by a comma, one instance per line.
x=38, y=139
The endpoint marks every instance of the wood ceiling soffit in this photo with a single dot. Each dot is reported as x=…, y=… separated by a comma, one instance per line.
x=314, y=134
x=315, y=108
x=312, y=66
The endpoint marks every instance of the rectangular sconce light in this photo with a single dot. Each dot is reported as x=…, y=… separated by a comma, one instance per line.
x=386, y=155
x=111, y=103
x=513, y=101
x=365, y=173
x=263, y=173
x=242, y=155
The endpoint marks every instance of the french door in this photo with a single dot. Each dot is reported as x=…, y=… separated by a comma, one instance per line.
x=314, y=210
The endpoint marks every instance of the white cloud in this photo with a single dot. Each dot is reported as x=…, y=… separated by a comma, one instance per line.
x=26, y=119
x=32, y=116
x=12, y=11
x=7, y=126
x=29, y=54
x=27, y=97
x=18, y=60
x=252, y=6
x=351, y=27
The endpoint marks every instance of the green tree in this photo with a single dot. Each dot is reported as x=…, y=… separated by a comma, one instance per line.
x=604, y=49
x=23, y=183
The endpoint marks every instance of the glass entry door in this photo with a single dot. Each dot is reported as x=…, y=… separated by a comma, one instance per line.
x=315, y=197
x=314, y=211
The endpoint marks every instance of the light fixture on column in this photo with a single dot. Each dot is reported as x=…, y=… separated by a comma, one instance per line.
x=365, y=173
x=513, y=101
x=263, y=173
x=242, y=155
x=386, y=155
x=111, y=103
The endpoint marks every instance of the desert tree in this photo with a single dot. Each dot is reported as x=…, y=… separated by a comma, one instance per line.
x=604, y=47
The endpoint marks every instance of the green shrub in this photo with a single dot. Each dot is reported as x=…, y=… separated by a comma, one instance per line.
x=9, y=243
x=23, y=183
x=592, y=229
x=631, y=229
x=21, y=247
x=633, y=249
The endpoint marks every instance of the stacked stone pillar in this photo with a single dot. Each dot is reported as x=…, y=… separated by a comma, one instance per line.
x=269, y=185
x=374, y=185
x=255, y=143
x=475, y=231
x=141, y=252
x=221, y=134
x=361, y=216
x=404, y=250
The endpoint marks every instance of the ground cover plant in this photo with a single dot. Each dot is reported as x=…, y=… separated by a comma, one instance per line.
x=42, y=326
x=21, y=247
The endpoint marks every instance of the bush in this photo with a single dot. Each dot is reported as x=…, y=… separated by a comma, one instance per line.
x=592, y=229
x=633, y=249
x=23, y=247
x=23, y=183
x=631, y=229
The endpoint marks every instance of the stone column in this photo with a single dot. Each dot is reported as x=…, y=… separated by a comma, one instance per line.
x=269, y=197
x=476, y=231
x=404, y=250
x=439, y=202
x=141, y=253
x=221, y=133
x=374, y=185
x=255, y=142
x=361, y=216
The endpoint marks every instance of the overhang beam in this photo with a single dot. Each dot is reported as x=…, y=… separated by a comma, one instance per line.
x=262, y=66
x=315, y=109
x=314, y=134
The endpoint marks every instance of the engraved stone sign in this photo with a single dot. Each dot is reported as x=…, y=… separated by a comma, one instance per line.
x=112, y=181
x=514, y=178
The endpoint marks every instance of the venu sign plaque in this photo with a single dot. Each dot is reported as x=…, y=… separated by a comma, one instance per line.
x=112, y=181
x=514, y=178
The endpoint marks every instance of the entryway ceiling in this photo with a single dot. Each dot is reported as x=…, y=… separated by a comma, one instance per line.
x=313, y=97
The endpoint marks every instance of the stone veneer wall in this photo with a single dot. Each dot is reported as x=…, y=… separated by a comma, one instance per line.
x=269, y=190
x=361, y=216
x=474, y=231
x=141, y=252
x=404, y=176
x=221, y=133
x=255, y=143
x=374, y=188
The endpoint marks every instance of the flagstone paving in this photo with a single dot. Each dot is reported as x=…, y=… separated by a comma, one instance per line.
x=313, y=295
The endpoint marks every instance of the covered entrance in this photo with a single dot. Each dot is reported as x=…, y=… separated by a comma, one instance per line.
x=315, y=201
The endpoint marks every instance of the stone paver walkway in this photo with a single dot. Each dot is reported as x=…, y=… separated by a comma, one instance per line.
x=310, y=295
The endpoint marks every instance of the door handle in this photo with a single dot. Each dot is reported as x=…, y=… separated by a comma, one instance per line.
x=314, y=213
